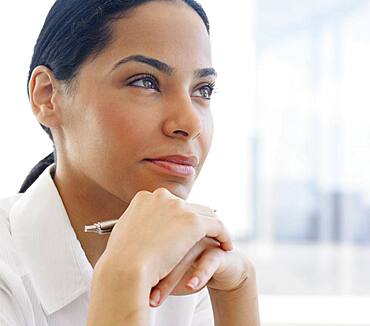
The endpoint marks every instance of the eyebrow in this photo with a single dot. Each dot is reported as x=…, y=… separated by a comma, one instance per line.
x=163, y=67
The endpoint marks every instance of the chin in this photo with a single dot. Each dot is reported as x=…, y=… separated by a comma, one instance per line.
x=177, y=189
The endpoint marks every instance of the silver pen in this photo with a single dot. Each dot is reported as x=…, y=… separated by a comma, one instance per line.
x=106, y=226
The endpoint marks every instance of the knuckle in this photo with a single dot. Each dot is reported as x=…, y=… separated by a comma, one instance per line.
x=212, y=260
x=208, y=242
x=192, y=219
x=223, y=228
x=142, y=193
x=165, y=286
x=161, y=192
x=203, y=273
x=220, y=223
x=177, y=202
x=249, y=265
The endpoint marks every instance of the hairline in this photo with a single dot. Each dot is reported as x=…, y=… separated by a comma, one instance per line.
x=71, y=85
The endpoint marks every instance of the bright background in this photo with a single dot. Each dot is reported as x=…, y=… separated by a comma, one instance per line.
x=288, y=170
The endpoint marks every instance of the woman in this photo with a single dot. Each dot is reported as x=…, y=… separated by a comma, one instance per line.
x=123, y=90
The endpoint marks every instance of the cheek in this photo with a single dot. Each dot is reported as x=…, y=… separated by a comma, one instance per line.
x=122, y=127
x=124, y=123
x=208, y=133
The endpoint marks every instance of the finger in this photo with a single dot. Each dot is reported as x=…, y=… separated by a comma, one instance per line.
x=206, y=266
x=200, y=209
x=216, y=229
x=167, y=284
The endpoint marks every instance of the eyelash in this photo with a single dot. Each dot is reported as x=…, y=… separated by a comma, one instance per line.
x=211, y=86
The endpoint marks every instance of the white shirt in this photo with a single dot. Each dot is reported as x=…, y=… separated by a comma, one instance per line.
x=45, y=276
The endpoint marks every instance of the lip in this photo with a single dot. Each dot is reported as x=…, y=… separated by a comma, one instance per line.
x=172, y=168
x=178, y=159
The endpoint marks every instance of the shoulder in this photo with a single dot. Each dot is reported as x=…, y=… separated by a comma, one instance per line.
x=6, y=204
x=14, y=301
x=5, y=207
x=8, y=251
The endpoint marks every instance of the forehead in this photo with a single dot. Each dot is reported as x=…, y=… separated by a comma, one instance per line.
x=169, y=31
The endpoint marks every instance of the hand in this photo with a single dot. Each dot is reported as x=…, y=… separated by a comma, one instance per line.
x=214, y=267
x=176, y=282
x=156, y=232
x=225, y=271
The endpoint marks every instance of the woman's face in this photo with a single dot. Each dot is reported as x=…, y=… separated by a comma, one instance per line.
x=119, y=115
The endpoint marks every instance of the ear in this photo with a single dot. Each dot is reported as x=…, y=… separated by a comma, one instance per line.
x=43, y=94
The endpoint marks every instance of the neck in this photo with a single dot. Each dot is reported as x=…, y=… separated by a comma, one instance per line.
x=87, y=203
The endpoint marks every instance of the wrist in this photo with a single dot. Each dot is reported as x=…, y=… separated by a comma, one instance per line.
x=122, y=275
x=247, y=284
x=238, y=306
x=118, y=296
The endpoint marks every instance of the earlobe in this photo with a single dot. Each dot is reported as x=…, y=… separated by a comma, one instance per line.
x=41, y=92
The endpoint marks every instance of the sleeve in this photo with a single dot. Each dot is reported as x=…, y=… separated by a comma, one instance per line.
x=15, y=306
x=203, y=313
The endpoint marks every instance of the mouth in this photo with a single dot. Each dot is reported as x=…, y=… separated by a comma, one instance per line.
x=177, y=169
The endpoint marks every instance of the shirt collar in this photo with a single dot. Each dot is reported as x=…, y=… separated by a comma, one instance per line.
x=47, y=244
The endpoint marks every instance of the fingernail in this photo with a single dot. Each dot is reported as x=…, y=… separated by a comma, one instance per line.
x=155, y=297
x=193, y=283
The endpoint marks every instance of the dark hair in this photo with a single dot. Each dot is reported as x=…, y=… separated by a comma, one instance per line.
x=73, y=31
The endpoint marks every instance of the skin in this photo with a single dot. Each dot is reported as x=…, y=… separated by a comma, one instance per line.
x=103, y=132
x=109, y=124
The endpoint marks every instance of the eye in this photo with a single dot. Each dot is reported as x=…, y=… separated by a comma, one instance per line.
x=206, y=91
x=147, y=81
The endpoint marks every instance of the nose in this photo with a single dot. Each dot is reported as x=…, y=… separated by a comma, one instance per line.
x=184, y=120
